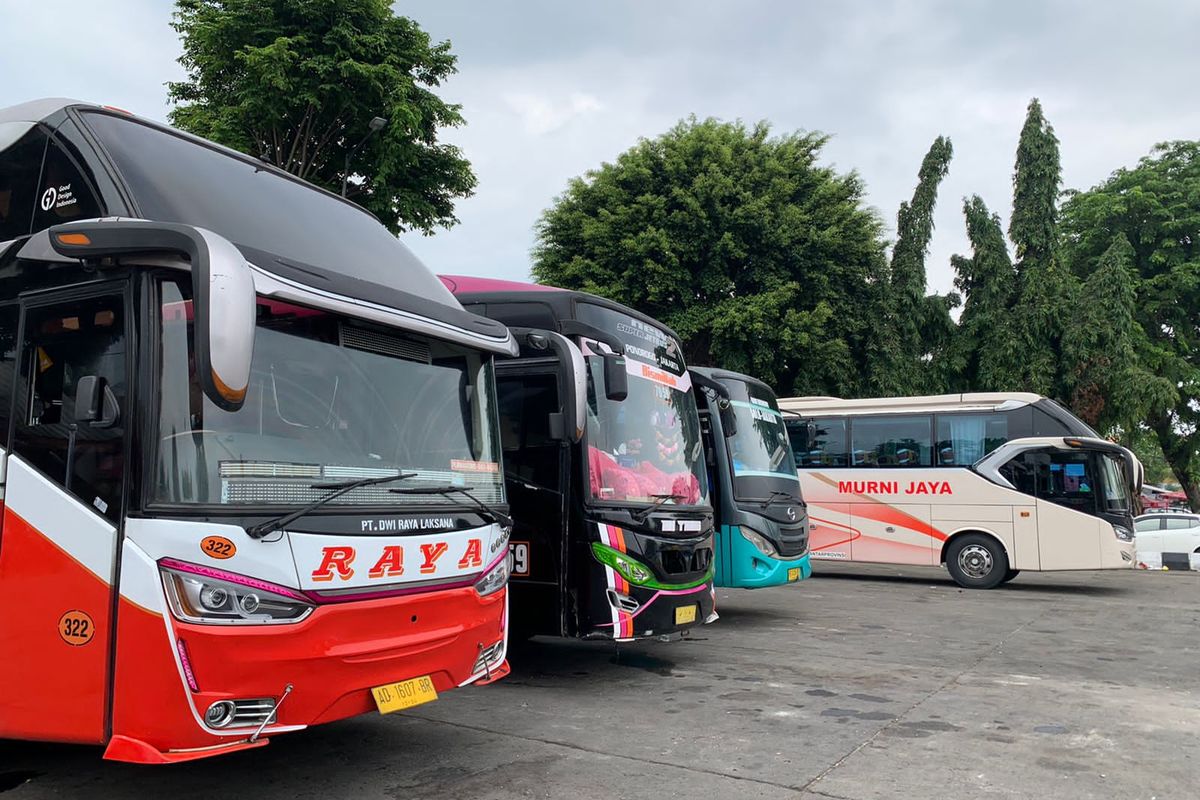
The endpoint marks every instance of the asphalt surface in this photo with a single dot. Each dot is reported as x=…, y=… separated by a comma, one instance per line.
x=863, y=682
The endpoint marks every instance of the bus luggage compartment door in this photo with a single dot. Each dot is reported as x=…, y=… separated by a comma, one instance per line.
x=894, y=534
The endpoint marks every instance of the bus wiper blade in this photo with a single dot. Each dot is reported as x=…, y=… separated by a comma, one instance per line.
x=504, y=519
x=641, y=514
x=533, y=487
x=339, y=488
x=788, y=495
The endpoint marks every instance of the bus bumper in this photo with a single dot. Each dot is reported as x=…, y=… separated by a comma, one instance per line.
x=332, y=660
x=640, y=612
x=750, y=569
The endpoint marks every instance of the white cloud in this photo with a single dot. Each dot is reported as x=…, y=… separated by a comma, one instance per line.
x=540, y=114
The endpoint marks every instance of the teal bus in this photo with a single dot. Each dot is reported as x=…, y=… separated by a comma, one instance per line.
x=761, y=520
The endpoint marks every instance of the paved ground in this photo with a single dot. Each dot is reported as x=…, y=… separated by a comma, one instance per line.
x=860, y=683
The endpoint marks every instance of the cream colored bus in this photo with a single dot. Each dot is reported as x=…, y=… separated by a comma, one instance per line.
x=988, y=484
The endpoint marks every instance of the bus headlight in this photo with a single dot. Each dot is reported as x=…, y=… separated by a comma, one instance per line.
x=761, y=542
x=630, y=569
x=214, y=597
x=495, y=578
x=1123, y=533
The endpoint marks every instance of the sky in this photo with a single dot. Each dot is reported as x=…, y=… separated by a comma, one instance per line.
x=552, y=88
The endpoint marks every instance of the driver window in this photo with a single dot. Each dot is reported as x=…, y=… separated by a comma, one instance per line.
x=1065, y=478
x=63, y=343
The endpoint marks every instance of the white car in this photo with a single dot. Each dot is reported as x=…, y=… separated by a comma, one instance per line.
x=1167, y=533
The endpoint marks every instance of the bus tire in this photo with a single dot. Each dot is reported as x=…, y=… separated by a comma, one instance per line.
x=976, y=561
x=1008, y=576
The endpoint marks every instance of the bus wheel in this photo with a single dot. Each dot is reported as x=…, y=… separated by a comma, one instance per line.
x=1008, y=576
x=976, y=561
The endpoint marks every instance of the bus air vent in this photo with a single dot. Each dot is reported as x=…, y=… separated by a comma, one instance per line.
x=384, y=344
x=267, y=469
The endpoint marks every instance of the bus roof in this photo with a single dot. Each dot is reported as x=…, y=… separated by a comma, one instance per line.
x=285, y=238
x=537, y=306
x=716, y=373
x=981, y=401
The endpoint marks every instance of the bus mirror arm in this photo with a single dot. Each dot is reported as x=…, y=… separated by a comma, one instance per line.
x=572, y=404
x=724, y=403
x=223, y=307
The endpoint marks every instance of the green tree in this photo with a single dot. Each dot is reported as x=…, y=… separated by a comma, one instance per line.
x=1110, y=388
x=1046, y=290
x=1154, y=207
x=979, y=357
x=297, y=83
x=763, y=260
x=915, y=324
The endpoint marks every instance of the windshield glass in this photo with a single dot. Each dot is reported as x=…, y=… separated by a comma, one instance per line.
x=1116, y=485
x=759, y=450
x=646, y=447
x=329, y=400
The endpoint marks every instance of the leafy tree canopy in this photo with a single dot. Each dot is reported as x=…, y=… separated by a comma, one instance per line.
x=297, y=83
x=763, y=260
x=1147, y=220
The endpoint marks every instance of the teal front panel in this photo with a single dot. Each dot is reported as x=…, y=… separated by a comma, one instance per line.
x=741, y=565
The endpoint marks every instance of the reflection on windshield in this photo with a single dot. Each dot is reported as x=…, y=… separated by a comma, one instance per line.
x=760, y=447
x=647, y=445
x=328, y=401
x=1116, y=486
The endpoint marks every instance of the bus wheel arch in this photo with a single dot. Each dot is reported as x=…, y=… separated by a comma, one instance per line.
x=976, y=559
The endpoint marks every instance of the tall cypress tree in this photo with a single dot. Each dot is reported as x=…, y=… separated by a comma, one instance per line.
x=979, y=356
x=913, y=323
x=1033, y=349
x=1110, y=387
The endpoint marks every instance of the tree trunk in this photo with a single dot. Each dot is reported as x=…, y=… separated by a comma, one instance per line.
x=1180, y=454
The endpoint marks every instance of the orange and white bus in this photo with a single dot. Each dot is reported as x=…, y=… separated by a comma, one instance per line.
x=249, y=450
x=988, y=484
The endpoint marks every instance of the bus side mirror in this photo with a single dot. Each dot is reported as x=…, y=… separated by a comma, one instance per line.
x=223, y=307
x=728, y=418
x=616, y=379
x=95, y=402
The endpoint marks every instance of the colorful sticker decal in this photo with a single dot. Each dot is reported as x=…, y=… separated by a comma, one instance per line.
x=520, y=551
x=76, y=628
x=218, y=547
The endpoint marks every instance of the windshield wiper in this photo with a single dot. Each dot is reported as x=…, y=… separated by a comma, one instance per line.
x=788, y=495
x=339, y=488
x=641, y=514
x=512, y=477
x=504, y=519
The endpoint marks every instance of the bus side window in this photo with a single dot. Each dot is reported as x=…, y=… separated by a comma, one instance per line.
x=525, y=405
x=818, y=442
x=892, y=441
x=64, y=194
x=963, y=439
x=1065, y=478
x=21, y=151
x=63, y=343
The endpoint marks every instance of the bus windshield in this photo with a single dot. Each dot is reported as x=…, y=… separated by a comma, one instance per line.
x=645, y=448
x=329, y=401
x=759, y=450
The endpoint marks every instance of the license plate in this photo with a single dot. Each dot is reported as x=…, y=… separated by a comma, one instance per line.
x=685, y=614
x=793, y=574
x=405, y=694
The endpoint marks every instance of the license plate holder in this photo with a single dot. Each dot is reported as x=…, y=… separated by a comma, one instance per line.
x=686, y=614
x=404, y=694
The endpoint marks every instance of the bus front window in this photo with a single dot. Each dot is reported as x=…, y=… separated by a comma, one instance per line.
x=1116, y=497
x=329, y=400
x=646, y=447
x=759, y=450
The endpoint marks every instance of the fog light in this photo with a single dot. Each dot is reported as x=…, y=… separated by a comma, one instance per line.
x=220, y=714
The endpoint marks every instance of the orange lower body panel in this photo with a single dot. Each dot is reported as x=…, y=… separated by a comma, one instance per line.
x=332, y=659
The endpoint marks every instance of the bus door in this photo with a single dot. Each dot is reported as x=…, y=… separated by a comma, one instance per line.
x=536, y=465
x=1066, y=487
x=63, y=501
